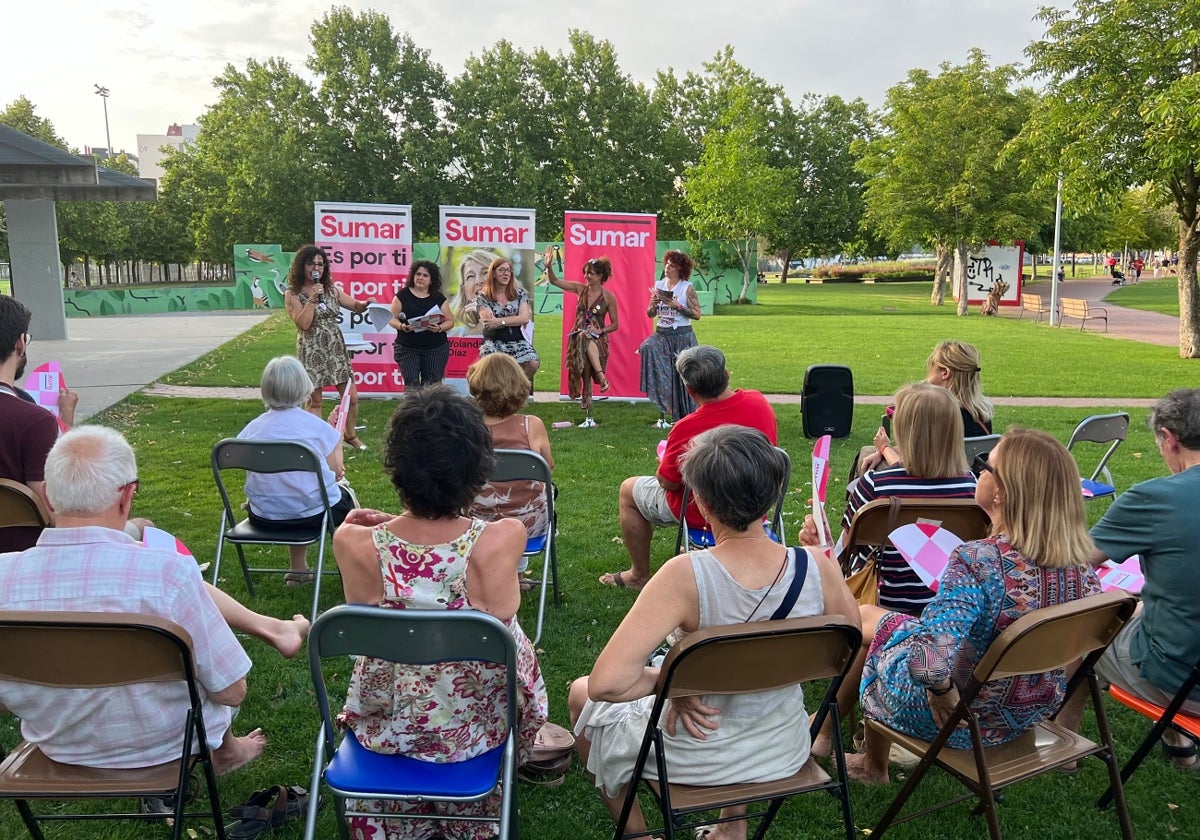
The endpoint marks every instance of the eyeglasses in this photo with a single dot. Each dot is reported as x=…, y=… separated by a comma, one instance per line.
x=980, y=465
x=314, y=261
x=135, y=484
x=28, y=339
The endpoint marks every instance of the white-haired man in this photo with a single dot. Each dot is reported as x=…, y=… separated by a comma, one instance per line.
x=87, y=562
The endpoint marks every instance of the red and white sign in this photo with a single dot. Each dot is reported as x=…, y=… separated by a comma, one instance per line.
x=991, y=265
x=370, y=251
x=628, y=241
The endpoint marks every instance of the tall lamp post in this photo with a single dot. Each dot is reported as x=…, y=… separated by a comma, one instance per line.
x=102, y=92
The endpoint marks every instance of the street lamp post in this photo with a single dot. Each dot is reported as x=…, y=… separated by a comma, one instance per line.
x=102, y=92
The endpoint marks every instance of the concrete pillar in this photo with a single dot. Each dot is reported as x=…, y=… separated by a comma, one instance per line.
x=36, y=272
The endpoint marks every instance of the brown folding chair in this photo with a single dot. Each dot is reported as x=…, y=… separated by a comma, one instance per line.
x=740, y=659
x=20, y=507
x=1040, y=641
x=102, y=650
x=874, y=522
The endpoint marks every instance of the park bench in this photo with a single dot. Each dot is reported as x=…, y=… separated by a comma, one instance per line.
x=1078, y=308
x=1033, y=303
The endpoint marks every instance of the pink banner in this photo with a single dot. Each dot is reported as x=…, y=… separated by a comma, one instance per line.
x=628, y=241
x=370, y=250
x=470, y=238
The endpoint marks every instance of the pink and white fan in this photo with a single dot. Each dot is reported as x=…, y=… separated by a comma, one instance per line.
x=44, y=384
x=927, y=547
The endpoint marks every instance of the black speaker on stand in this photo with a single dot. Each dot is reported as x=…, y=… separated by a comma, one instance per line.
x=827, y=401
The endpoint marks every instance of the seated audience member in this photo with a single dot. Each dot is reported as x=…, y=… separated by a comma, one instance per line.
x=88, y=563
x=27, y=431
x=438, y=454
x=651, y=501
x=501, y=389
x=1154, y=652
x=1037, y=556
x=953, y=365
x=293, y=498
x=734, y=474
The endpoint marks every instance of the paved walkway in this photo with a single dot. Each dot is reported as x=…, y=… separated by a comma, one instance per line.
x=108, y=358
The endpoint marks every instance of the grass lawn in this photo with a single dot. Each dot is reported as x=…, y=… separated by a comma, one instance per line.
x=173, y=438
x=884, y=332
x=1160, y=295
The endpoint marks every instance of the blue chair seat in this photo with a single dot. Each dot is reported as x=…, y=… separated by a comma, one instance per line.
x=359, y=770
x=1096, y=489
x=535, y=545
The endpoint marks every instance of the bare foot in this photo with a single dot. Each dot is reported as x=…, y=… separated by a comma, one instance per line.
x=236, y=752
x=822, y=747
x=723, y=831
x=621, y=580
x=287, y=636
x=857, y=768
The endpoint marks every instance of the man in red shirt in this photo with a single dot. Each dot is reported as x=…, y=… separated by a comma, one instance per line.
x=651, y=501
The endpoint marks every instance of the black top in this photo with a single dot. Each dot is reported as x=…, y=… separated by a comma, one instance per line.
x=414, y=307
x=971, y=428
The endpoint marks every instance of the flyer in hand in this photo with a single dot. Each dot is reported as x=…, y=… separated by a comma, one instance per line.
x=44, y=384
x=926, y=546
x=820, y=480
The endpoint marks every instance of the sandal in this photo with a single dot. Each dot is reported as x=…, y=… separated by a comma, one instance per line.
x=604, y=385
x=264, y=811
x=1183, y=757
x=298, y=578
x=616, y=580
x=355, y=443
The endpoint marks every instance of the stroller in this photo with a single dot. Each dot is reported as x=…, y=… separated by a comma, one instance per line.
x=1118, y=276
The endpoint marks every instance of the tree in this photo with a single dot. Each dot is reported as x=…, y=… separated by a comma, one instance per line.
x=1142, y=221
x=735, y=190
x=1122, y=107
x=934, y=173
x=825, y=205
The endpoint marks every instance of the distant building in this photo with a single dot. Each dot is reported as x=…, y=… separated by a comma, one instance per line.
x=150, y=154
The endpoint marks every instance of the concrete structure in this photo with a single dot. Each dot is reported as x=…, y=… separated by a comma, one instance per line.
x=33, y=175
x=149, y=147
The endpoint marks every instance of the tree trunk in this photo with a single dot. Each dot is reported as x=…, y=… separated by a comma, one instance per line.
x=1189, y=301
x=746, y=272
x=940, y=273
x=786, y=256
x=960, y=277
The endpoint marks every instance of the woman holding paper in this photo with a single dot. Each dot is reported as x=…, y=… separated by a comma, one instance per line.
x=312, y=301
x=674, y=303
x=587, y=344
x=421, y=316
x=1037, y=556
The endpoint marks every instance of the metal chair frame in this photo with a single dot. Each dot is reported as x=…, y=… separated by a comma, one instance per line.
x=688, y=538
x=1101, y=429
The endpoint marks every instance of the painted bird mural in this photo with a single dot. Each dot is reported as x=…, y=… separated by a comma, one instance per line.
x=258, y=256
x=260, y=297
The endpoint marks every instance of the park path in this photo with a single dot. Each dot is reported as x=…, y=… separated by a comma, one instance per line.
x=1133, y=324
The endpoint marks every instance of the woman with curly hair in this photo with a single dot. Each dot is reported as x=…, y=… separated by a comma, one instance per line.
x=421, y=316
x=674, y=302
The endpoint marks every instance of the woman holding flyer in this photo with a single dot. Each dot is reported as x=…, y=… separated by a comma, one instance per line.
x=587, y=343
x=312, y=301
x=1037, y=556
x=421, y=316
x=673, y=301
x=504, y=308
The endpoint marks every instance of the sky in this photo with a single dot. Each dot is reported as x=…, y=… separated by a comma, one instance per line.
x=158, y=57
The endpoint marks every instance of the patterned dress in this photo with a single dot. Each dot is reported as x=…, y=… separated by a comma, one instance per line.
x=321, y=349
x=987, y=586
x=660, y=381
x=580, y=376
x=517, y=346
x=438, y=713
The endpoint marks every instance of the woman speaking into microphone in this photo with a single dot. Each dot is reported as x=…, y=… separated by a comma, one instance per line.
x=312, y=301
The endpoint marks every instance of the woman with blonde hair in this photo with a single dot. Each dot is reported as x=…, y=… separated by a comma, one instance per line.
x=1037, y=556
x=504, y=308
x=955, y=366
x=471, y=273
x=500, y=389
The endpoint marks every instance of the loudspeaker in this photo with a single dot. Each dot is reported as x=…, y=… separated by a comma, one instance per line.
x=827, y=401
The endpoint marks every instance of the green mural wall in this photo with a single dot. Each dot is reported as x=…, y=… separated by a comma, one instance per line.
x=260, y=279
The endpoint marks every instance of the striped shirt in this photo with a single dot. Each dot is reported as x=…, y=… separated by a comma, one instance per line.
x=899, y=587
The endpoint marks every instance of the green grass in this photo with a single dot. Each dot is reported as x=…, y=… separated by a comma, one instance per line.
x=883, y=332
x=1160, y=295
x=173, y=438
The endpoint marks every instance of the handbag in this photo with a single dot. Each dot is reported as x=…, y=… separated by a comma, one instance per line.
x=550, y=758
x=863, y=582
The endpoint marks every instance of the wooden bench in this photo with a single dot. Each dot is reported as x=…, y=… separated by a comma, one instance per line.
x=1078, y=308
x=1033, y=303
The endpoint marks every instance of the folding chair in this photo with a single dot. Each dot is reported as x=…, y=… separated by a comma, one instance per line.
x=523, y=465
x=739, y=659
x=72, y=650
x=269, y=456
x=20, y=507
x=688, y=538
x=874, y=522
x=1100, y=429
x=1040, y=641
x=976, y=446
x=417, y=637
x=1163, y=717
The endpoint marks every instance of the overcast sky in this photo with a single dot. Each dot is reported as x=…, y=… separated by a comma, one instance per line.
x=158, y=57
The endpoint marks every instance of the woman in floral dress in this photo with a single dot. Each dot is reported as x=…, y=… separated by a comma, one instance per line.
x=438, y=454
x=587, y=344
